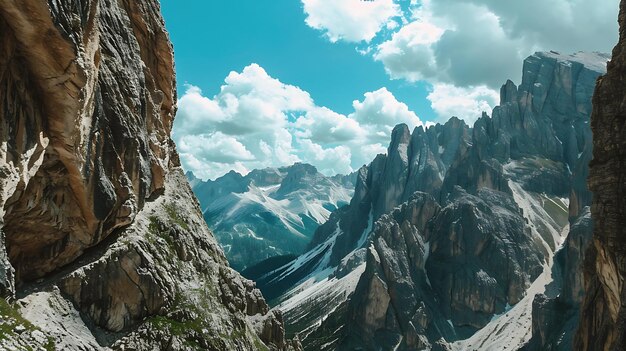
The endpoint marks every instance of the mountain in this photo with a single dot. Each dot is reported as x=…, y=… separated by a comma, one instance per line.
x=451, y=235
x=269, y=212
x=102, y=243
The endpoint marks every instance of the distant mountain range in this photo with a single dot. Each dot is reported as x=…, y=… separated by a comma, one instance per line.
x=269, y=212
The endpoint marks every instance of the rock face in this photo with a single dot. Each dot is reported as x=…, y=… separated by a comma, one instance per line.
x=602, y=322
x=452, y=233
x=414, y=162
x=91, y=172
x=269, y=212
x=102, y=242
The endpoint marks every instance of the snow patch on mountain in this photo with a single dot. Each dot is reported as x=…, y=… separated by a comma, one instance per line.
x=321, y=270
x=329, y=291
x=269, y=212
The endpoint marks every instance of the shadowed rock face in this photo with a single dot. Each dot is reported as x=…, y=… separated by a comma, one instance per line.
x=603, y=318
x=480, y=252
x=555, y=313
x=443, y=272
x=414, y=162
x=103, y=243
x=481, y=256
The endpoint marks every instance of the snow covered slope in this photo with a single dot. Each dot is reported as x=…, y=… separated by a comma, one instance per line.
x=269, y=212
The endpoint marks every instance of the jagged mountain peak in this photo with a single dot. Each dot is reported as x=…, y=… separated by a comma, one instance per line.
x=400, y=134
x=301, y=167
x=508, y=92
x=299, y=176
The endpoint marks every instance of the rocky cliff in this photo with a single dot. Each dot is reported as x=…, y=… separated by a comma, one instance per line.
x=103, y=244
x=452, y=233
x=603, y=318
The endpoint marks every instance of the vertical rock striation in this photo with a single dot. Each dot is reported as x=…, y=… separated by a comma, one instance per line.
x=102, y=242
x=603, y=317
x=102, y=130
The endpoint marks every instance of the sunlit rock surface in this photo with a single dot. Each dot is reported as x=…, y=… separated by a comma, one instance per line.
x=104, y=245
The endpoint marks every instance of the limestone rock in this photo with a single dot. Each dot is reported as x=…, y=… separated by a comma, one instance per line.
x=555, y=313
x=102, y=241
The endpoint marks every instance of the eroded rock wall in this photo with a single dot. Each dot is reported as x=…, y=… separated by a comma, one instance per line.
x=103, y=242
x=603, y=318
x=99, y=126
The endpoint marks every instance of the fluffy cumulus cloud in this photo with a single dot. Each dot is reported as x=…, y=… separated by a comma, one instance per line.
x=461, y=44
x=379, y=112
x=409, y=48
x=465, y=103
x=473, y=46
x=351, y=20
x=256, y=121
x=244, y=123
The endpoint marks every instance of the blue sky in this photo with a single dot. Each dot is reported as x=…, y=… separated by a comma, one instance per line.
x=215, y=37
x=267, y=83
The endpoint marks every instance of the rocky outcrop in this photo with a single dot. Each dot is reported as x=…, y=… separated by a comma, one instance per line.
x=269, y=212
x=603, y=317
x=441, y=272
x=473, y=264
x=508, y=185
x=394, y=293
x=94, y=171
x=414, y=162
x=103, y=244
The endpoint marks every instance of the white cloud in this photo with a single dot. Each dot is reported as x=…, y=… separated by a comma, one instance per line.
x=214, y=147
x=482, y=43
x=323, y=125
x=255, y=82
x=409, y=48
x=199, y=111
x=350, y=20
x=335, y=159
x=463, y=45
x=465, y=103
x=244, y=126
x=256, y=121
x=380, y=112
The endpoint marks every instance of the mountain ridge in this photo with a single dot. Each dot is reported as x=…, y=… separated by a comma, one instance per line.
x=269, y=212
x=513, y=168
